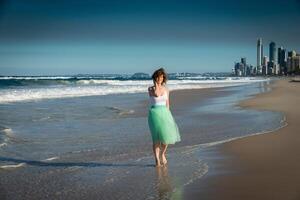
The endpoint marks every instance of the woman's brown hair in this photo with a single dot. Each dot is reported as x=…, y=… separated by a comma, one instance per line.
x=159, y=72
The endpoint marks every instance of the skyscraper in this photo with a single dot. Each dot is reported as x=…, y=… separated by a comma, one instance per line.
x=243, y=60
x=244, y=64
x=259, y=55
x=265, y=65
x=273, y=52
x=293, y=63
x=282, y=60
x=272, y=65
x=291, y=53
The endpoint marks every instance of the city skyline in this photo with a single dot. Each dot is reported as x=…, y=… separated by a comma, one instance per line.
x=280, y=61
x=62, y=37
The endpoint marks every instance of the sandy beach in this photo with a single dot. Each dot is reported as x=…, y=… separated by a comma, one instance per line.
x=264, y=166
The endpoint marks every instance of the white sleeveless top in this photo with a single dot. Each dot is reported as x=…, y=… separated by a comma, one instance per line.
x=160, y=100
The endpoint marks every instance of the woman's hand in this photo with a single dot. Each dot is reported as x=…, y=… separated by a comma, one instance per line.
x=151, y=90
x=168, y=99
x=155, y=85
x=156, y=88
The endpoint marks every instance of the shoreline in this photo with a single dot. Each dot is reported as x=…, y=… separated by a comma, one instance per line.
x=262, y=166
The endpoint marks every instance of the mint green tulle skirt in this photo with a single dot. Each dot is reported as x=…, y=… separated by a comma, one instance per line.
x=162, y=125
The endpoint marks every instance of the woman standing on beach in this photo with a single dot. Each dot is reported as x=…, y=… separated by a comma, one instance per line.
x=162, y=125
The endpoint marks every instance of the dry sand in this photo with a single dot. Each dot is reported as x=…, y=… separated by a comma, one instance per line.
x=264, y=166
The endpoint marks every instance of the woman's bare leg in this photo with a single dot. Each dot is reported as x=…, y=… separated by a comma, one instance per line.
x=156, y=151
x=163, y=153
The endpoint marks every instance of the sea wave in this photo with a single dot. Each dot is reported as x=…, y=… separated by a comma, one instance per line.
x=51, y=158
x=283, y=123
x=16, y=81
x=3, y=144
x=106, y=87
x=12, y=166
x=6, y=134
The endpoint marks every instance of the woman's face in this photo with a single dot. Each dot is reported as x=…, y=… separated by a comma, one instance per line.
x=160, y=79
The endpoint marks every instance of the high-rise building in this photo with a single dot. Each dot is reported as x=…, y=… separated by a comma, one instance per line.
x=244, y=63
x=276, y=69
x=282, y=61
x=291, y=62
x=243, y=60
x=294, y=63
x=289, y=65
x=272, y=52
x=265, y=61
x=291, y=53
x=265, y=65
x=239, y=69
x=270, y=68
x=259, y=55
x=279, y=54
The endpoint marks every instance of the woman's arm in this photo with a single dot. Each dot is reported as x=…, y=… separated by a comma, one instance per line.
x=152, y=91
x=168, y=100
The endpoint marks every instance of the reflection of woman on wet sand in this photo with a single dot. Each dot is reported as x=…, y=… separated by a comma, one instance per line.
x=164, y=185
x=162, y=125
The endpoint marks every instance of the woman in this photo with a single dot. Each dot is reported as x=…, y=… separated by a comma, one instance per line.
x=162, y=125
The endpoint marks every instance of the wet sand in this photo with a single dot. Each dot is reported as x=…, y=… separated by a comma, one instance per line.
x=264, y=166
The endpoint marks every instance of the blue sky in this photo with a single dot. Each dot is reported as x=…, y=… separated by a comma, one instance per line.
x=43, y=37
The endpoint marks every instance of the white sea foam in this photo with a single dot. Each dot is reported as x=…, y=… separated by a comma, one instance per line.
x=8, y=132
x=42, y=119
x=200, y=172
x=106, y=87
x=3, y=144
x=51, y=158
x=7, y=135
x=12, y=166
x=84, y=150
x=4, y=136
x=283, y=122
x=34, y=77
x=95, y=81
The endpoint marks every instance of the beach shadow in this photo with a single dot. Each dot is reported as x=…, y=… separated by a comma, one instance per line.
x=72, y=164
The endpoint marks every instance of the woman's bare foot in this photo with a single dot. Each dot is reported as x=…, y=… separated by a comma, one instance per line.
x=164, y=160
x=157, y=163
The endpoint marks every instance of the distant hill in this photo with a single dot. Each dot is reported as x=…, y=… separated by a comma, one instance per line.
x=140, y=76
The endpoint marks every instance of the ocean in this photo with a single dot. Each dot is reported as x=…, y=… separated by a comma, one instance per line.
x=87, y=136
x=26, y=88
